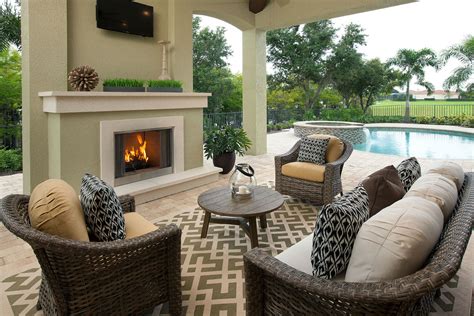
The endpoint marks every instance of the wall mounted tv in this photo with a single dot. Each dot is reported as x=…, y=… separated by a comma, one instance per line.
x=125, y=16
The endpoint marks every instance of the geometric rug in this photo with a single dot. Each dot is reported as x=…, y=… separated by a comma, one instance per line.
x=212, y=268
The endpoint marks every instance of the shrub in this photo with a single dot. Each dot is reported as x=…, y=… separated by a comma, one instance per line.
x=165, y=83
x=10, y=160
x=121, y=82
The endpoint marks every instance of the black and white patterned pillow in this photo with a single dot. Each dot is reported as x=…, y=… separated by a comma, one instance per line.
x=409, y=171
x=336, y=230
x=313, y=150
x=102, y=209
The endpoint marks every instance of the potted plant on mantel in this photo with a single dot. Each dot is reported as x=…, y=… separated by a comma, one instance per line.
x=164, y=86
x=124, y=85
x=221, y=144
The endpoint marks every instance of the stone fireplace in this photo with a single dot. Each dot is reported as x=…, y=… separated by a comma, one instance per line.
x=148, y=145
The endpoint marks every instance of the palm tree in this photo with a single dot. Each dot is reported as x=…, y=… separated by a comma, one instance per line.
x=463, y=52
x=412, y=63
x=10, y=25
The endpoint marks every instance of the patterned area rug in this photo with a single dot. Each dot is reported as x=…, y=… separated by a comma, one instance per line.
x=212, y=268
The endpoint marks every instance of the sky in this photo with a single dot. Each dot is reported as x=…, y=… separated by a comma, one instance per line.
x=435, y=24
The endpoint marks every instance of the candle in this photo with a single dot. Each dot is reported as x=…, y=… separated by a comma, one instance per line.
x=243, y=190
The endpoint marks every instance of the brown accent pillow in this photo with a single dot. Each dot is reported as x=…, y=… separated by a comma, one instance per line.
x=384, y=188
x=54, y=208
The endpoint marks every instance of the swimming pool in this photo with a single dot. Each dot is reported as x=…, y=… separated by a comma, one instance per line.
x=419, y=143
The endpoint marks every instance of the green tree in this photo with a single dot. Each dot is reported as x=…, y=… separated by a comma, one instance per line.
x=210, y=68
x=464, y=53
x=373, y=78
x=10, y=92
x=309, y=56
x=10, y=26
x=411, y=64
x=233, y=103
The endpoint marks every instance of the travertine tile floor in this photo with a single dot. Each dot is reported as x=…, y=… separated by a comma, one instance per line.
x=16, y=255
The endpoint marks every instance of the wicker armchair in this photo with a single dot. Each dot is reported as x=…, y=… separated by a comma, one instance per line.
x=126, y=277
x=274, y=288
x=314, y=192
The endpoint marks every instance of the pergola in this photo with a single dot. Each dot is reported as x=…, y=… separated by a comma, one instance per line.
x=59, y=35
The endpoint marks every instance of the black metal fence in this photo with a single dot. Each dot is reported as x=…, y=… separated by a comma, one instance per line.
x=235, y=118
x=10, y=136
x=418, y=110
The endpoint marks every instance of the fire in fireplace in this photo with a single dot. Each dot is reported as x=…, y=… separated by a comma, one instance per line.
x=141, y=155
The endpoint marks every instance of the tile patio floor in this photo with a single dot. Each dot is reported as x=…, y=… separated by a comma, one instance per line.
x=17, y=256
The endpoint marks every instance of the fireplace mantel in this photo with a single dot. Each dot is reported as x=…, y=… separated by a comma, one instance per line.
x=86, y=102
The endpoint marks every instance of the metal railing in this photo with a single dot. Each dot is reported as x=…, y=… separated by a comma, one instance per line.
x=418, y=110
x=10, y=136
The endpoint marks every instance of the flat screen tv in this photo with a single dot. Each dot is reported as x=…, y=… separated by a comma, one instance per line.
x=125, y=16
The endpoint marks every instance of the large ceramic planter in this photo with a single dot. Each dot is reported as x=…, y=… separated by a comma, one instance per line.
x=124, y=89
x=164, y=89
x=226, y=161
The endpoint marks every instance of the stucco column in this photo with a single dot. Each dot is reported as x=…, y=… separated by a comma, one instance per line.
x=255, y=89
x=180, y=31
x=44, y=67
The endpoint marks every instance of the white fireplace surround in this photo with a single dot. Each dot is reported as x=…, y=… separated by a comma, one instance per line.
x=107, y=138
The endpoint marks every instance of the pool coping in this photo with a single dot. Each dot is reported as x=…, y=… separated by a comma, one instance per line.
x=448, y=128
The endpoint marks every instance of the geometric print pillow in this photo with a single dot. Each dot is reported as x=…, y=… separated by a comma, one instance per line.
x=336, y=229
x=409, y=171
x=313, y=150
x=102, y=209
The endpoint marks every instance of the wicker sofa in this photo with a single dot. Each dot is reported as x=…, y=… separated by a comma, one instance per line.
x=275, y=288
x=125, y=277
x=315, y=192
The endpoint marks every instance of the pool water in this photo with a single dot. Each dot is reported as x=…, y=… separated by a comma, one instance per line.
x=419, y=143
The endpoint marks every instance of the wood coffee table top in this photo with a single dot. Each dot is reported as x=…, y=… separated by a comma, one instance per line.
x=219, y=201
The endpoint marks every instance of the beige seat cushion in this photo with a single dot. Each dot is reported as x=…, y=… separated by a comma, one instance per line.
x=304, y=170
x=450, y=170
x=136, y=225
x=396, y=241
x=438, y=189
x=335, y=146
x=54, y=208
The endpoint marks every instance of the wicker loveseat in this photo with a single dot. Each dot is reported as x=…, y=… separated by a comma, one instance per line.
x=315, y=192
x=125, y=277
x=274, y=288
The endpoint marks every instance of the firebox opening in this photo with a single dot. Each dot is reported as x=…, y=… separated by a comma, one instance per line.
x=142, y=154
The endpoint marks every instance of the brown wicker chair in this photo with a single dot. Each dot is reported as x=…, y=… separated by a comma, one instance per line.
x=314, y=192
x=125, y=277
x=274, y=288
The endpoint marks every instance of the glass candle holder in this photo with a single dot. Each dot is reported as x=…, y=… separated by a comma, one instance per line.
x=242, y=181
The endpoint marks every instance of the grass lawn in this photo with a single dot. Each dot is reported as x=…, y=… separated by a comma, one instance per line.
x=436, y=108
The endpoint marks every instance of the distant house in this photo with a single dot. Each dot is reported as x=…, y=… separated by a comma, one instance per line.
x=437, y=94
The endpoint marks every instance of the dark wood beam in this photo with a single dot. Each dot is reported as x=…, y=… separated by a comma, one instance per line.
x=257, y=6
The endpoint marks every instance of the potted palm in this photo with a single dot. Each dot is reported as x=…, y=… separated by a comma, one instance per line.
x=221, y=144
x=124, y=85
x=164, y=86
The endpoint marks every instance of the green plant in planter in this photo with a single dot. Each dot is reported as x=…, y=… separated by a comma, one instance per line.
x=119, y=82
x=221, y=144
x=165, y=84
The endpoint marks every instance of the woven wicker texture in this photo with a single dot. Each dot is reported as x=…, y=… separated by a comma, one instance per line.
x=125, y=277
x=314, y=192
x=274, y=288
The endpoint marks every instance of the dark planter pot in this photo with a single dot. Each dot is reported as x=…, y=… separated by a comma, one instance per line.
x=164, y=89
x=226, y=161
x=124, y=89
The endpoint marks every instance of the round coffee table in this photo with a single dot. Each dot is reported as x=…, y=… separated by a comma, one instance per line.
x=244, y=213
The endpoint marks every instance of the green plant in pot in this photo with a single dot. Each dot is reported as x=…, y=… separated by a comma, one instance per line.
x=165, y=86
x=222, y=144
x=124, y=85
